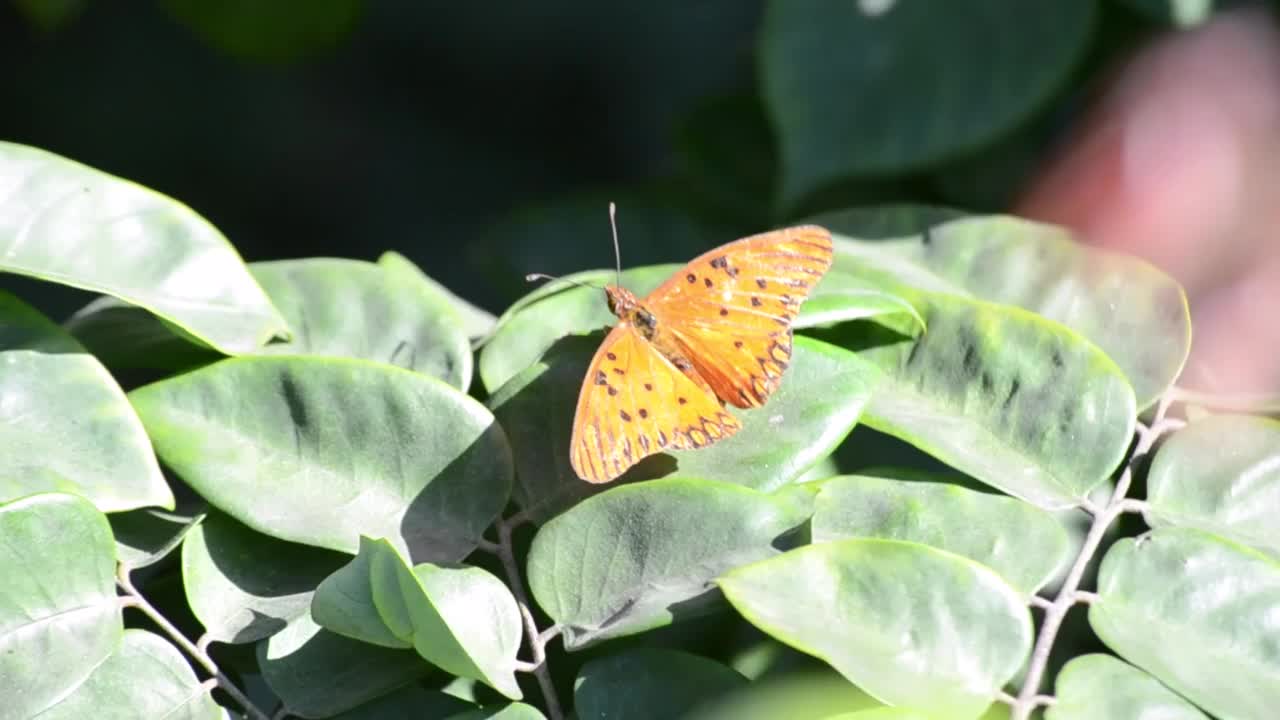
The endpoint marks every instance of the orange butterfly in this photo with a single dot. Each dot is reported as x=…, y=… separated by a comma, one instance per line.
x=716, y=332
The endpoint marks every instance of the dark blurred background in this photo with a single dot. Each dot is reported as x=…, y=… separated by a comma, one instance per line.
x=484, y=140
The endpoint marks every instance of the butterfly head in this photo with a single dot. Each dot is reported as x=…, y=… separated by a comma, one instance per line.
x=621, y=300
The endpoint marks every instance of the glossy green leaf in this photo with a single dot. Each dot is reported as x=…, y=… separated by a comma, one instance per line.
x=1200, y=613
x=244, y=586
x=533, y=325
x=318, y=674
x=817, y=403
x=460, y=619
x=649, y=683
x=57, y=601
x=319, y=451
x=1221, y=474
x=68, y=223
x=146, y=677
x=475, y=322
x=1137, y=314
x=343, y=603
x=351, y=308
x=410, y=701
x=510, y=711
x=639, y=556
x=912, y=625
x=1026, y=546
x=851, y=94
x=1007, y=397
x=65, y=424
x=1100, y=687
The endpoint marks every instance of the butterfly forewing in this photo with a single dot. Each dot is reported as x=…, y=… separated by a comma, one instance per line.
x=634, y=403
x=730, y=309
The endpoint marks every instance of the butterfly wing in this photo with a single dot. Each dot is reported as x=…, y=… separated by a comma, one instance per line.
x=730, y=309
x=634, y=403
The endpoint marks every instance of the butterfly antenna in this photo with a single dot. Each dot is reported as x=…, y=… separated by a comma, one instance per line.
x=543, y=276
x=617, y=253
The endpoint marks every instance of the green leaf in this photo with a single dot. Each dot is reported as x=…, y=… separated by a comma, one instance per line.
x=1016, y=401
x=264, y=32
x=1220, y=474
x=65, y=424
x=71, y=224
x=460, y=619
x=244, y=586
x=57, y=601
x=1137, y=314
x=649, y=683
x=852, y=95
x=475, y=322
x=814, y=408
x=147, y=678
x=1200, y=613
x=639, y=556
x=534, y=323
x=1024, y=545
x=343, y=603
x=1100, y=687
x=320, y=451
x=355, y=309
x=912, y=625
x=410, y=701
x=317, y=674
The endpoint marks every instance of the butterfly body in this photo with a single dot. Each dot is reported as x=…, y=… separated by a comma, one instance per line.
x=717, y=332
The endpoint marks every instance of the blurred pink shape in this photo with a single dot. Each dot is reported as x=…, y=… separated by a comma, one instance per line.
x=1180, y=164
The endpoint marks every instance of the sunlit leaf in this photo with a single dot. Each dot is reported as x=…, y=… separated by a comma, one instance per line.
x=320, y=451
x=1200, y=613
x=910, y=624
x=640, y=556
x=1023, y=544
x=68, y=223
x=1221, y=474
x=65, y=425
x=57, y=601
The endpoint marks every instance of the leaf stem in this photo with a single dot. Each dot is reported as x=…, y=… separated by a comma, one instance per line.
x=1069, y=594
x=137, y=600
x=537, y=640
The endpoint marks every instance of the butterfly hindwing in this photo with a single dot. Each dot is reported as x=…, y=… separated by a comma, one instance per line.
x=634, y=403
x=730, y=309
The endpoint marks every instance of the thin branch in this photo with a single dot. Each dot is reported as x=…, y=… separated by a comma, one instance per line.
x=1069, y=594
x=1038, y=602
x=1086, y=597
x=536, y=642
x=490, y=547
x=140, y=602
